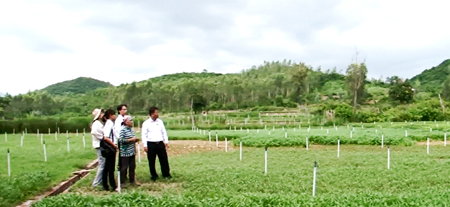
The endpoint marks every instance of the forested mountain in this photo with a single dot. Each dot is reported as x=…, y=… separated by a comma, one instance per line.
x=76, y=86
x=272, y=84
x=431, y=80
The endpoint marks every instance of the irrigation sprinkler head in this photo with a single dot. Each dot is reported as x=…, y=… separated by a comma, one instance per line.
x=315, y=163
x=266, y=148
x=7, y=150
x=43, y=142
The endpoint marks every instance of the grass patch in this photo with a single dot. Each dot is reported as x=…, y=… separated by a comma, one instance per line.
x=358, y=178
x=30, y=174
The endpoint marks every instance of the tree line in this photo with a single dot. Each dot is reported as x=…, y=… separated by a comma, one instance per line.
x=281, y=84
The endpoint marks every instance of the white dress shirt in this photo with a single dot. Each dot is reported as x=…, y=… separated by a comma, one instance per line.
x=154, y=131
x=97, y=133
x=118, y=124
x=109, y=126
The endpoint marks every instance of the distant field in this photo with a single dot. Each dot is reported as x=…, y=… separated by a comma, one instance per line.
x=360, y=134
x=358, y=178
x=30, y=174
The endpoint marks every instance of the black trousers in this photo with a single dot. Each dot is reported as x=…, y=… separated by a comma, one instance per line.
x=127, y=164
x=153, y=149
x=108, y=173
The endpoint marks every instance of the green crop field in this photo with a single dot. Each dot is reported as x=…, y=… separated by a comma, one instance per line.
x=360, y=134
x=30, y=174
x=359, y=177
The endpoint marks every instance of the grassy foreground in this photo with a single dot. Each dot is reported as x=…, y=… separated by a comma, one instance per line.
x=30, y=174
x=358, y=178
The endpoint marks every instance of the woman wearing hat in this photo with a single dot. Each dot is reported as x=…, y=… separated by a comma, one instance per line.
x=97, y=136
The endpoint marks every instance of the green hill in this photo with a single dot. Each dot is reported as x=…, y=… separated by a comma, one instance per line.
x=76, y=86
x=431, y=79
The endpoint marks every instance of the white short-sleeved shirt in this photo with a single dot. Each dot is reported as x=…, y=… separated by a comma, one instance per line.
x=118, y=124
x=154, y=131
x=97, y=133
x=108, y=129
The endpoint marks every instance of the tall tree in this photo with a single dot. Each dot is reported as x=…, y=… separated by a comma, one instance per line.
x=299, y=81
x=401, y=91
x=355, y=80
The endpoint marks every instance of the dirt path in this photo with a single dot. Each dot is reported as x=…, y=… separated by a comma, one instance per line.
x=432, y=143
x=181, y=147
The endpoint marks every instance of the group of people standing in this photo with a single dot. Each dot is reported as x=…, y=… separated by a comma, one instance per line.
x=117, y=132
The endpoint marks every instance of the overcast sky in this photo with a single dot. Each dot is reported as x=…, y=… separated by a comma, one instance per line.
x=44, y=42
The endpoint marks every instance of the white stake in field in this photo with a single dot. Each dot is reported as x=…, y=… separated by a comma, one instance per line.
x=265, y=161
x=68, y=145
x=139, y=151
x=388, y=157
x=339, y=147
x=9, y=162
x=382, y=140
x=45, y=152
x=428, y=146
x=314, y=179
x=226, y=145
x=6, y=137
x=84, y=142
x=445, y=139
x=307, y=143
x=240, y=151
x=217, y=140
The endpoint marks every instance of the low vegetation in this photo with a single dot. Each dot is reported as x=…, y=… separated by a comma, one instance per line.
x=30, y=174
x=358, y=178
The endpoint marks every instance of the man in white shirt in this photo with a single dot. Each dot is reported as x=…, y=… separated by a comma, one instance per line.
x=122, y=110
x=155, y=140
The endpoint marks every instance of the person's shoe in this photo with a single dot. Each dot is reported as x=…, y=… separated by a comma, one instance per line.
x=154, y=178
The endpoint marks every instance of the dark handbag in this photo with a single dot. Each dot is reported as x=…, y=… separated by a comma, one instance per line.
x=106, y=148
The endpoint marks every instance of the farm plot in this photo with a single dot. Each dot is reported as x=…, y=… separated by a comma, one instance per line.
x=30, y=173
x=365, y=134
x=359, y=177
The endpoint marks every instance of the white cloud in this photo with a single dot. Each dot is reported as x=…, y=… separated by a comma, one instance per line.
x=44, y=42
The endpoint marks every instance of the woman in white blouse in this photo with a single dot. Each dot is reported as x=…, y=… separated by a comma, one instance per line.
x=97, y=136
